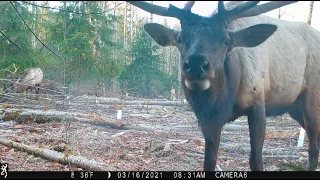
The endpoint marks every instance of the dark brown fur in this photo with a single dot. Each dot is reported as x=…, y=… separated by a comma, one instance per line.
x=253, y=66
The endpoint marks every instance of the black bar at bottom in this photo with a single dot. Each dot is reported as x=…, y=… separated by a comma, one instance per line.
x=160, y=175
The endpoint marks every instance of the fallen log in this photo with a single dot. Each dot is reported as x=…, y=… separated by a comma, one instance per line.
x=39, y=116
x=103, y=121
x=133, y=102
x=96, y=100
x=65, y=159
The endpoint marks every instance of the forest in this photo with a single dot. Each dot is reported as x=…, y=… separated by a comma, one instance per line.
x=96, y=47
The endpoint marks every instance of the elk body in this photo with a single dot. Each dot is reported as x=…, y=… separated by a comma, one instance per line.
x=32, y=79
x=239, y=63
x=48, y=88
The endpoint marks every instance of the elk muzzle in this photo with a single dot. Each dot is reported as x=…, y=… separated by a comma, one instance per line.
x=196, y=69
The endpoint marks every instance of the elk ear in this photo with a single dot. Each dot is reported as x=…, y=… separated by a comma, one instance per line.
x=162, y=35
x=252, y=36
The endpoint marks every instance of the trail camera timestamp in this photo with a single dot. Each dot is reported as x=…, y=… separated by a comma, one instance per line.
x=187, y=175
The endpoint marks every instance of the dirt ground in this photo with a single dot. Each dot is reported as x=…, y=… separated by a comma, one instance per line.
x=176, y=143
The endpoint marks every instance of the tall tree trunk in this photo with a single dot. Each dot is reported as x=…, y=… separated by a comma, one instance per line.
x=170, y=61
x=179, y=74
x=136, y=24
x=115, y=25
x=125, y=26
x=131, y=21
x=64, y=39
x=88, y=11
x=131, y=25
x=151, y=43
x=116, y=38
x=34, y=12
x=43, y=17
x=310, y=13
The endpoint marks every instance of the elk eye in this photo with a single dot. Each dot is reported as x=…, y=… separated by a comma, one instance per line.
x=227, y=42
x=179, y=40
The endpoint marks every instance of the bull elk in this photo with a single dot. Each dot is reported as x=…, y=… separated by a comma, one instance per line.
x=32, y=79
x=237, y=62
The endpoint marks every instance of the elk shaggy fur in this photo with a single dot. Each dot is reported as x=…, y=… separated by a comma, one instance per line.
x=254, y=66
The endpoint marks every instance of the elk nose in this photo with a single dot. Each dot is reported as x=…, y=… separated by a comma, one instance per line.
x=196, y=65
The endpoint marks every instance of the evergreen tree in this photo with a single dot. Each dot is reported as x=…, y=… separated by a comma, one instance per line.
x=143, y=75
x=13, y=27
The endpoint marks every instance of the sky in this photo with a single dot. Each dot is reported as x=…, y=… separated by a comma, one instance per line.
x=293, y=12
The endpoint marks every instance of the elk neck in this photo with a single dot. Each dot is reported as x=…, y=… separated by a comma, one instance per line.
x=216, y=104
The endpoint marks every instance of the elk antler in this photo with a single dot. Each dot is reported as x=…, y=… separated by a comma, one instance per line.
x=231, y=14
x=172, y=11
x=188, y=5
x=15, y=69
x=263, y=8
x=151, y=8
x=248, y=9
x=245, y=9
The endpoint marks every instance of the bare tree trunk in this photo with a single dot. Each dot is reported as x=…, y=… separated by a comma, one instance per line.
x=87, y=10
x=43, y=17
x=151, y=43
x=114, y=28
x=170, y=61
x=177, y=62
x=136, y=24
x=56, y=156
x=131, y=25
x=64, y=38
x=34, y=12
x=167, y=60
x=131, y=22
x=94, y=48
x=115, y=36
x=310, y=13
x=125, y=26
x=279, y=15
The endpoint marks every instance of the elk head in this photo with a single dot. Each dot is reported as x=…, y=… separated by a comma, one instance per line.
x=204, y=42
